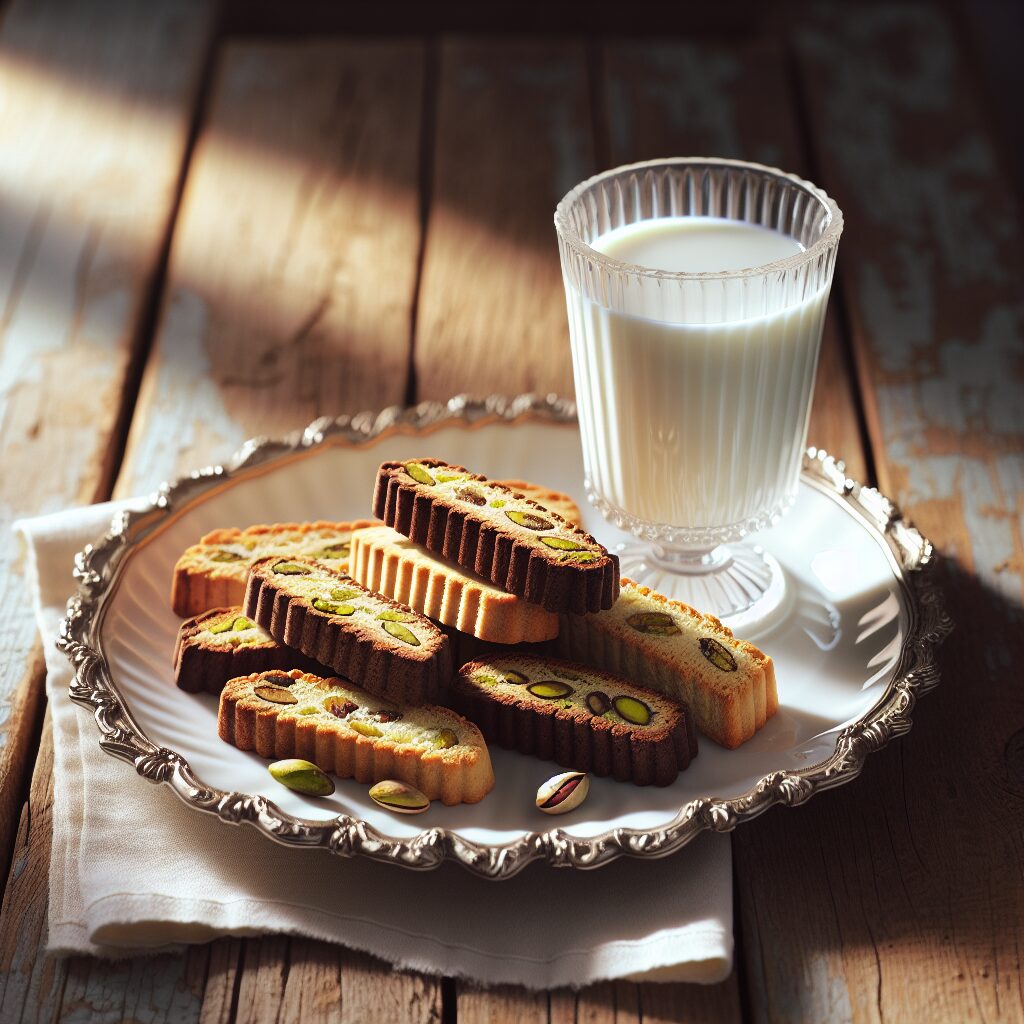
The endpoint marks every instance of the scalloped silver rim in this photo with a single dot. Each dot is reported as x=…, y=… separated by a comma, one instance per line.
x=98, y=566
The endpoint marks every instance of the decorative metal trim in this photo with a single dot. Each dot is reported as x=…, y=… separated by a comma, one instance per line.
x=98, y=566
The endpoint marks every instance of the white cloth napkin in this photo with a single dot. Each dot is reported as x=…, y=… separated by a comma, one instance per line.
x=132, y=868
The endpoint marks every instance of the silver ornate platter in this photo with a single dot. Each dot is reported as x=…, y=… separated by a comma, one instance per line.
x=854, y=648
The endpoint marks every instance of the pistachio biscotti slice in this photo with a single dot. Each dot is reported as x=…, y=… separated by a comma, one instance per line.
x=355, y=735
x=579, y=717
x=554, y=501
x=390, y=564
x=515, y=543
x=381, y=645
x=221, y=644
x=211, y=574
x=729, y=684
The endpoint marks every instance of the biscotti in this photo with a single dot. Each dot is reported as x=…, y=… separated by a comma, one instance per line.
x=220, y=644
x=381, y=645
x=211, y=574
x=729, y=684
x=579, y=717
x=388, y=563
x=515, y=543
x=554, y=501
x=355, y=735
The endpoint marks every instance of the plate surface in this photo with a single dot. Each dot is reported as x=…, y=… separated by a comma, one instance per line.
x=852, y=648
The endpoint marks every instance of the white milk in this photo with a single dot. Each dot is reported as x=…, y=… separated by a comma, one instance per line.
x=695, y=425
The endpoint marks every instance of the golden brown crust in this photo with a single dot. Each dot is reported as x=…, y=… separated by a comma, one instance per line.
x=200, y=582
x=461, y=773
x=572, y=733
x=357, y=648
x=729, y=706
x=508, y=556
x=388, y=563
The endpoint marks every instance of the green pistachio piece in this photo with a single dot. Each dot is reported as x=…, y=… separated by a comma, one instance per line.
x=394, y=615
x=448, y=478
x=310, y=709
x=445, y=738
x=340, y=550
x=365, y=729
x=498, y=503
x=579, y=556
x=530, y=521
x=419, y=473
x=221, y=555
x=564, y=544
x=302, y=777
x=654, y=623
x=598, y=702
x=276, y=695
x=344, y=593
x=398, y=797
x=486, y=678
x=400, y=632
x=718, y=654
x=550, y=689
x=633, y=710
x=291, y=569
x=223, y=626
x=333, y=607
x=516, y=678
x=241, y=624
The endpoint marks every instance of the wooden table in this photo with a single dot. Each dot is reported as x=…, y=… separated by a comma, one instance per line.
x=206, y=235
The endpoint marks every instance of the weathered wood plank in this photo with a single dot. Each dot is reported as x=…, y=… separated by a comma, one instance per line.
x=688, y=99
x=919, y=860
x=96, y=108
x=513, y=135
x=293, y=266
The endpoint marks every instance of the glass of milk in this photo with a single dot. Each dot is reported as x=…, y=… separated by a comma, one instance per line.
x=696, y=291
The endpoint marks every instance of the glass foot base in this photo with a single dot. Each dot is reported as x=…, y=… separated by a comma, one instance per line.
x=741, y=584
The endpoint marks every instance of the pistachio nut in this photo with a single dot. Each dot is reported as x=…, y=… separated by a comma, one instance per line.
x=398, y=797
x=333, y=607
x=530, y=521
x=400, y=632
x=419, y=473
x=223, y=555
x=563, y=793
x=633, y=710
x=365, y=729
x=302, y=777
x=276, y=695
x=286, y=568
x=598, y=702
x=718, y=654
x=445, y=738
x=340, y=550
x=654, y=623
x=550, y=689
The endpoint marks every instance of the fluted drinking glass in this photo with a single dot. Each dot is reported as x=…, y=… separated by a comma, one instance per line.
x=694, y=387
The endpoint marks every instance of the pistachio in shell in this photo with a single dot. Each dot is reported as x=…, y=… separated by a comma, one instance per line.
x=399, y=797
x=419, y=473
x=400, y=632
x=286, y=568
x=598, y=702
x=302, y=777
x=653, y=623
x=633, y=710
x=550, y=689
x=275, y=695
x=223, y=555
x=563, y=793
x=718, y=654
x=530, y=521
x=333, y=607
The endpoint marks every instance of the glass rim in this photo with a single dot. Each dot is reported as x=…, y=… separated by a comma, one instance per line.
x=829, y=238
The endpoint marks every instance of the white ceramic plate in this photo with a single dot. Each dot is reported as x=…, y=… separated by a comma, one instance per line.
x=852, y=648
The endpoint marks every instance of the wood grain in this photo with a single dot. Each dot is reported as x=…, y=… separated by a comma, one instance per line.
x=292, y=271
x=906, y=896
x=513, y=136
x=95, y=109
